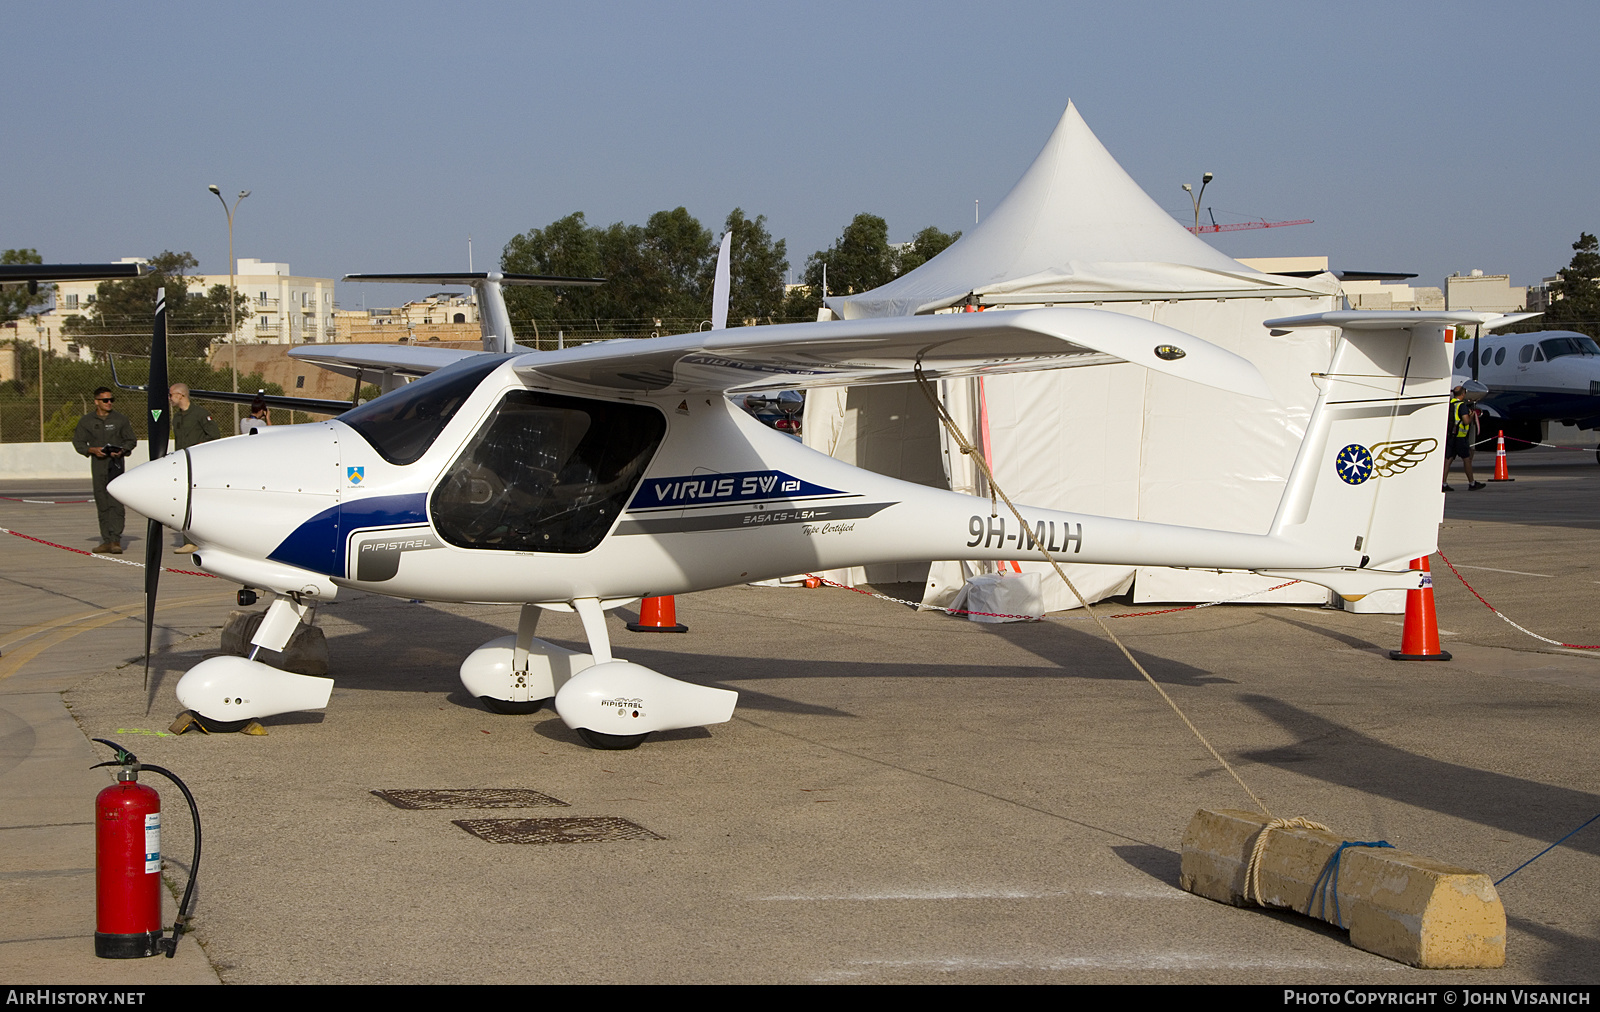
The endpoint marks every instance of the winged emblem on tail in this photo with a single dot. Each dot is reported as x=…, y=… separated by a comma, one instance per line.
x=1401, y=455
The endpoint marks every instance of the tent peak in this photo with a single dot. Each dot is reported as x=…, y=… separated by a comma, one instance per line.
x=1074, y=205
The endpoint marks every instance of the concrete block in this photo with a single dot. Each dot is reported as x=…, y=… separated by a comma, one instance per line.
x=305, y=654
x=52, y=461
x=1409, y=908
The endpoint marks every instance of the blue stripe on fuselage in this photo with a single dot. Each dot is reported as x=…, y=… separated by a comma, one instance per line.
x=319, y=543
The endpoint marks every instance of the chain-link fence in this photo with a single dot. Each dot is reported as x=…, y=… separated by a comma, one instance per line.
x=42, y=397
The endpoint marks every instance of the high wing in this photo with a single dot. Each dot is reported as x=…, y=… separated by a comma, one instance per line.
x=874, y=351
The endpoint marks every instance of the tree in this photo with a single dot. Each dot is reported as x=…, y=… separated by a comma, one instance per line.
x=660, y=270
x=756, y=265
x=680, y=257
x=1576, y=296
x=15, y=300
x=860, y=260
x=924, y=246
x=123, y=309
x=567, y=247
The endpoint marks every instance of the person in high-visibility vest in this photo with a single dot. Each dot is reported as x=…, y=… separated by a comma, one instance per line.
x=1458, y=440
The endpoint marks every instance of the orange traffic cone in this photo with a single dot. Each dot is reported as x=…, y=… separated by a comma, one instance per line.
x=1419, y=641
x=1500, y=471
x=657, y=614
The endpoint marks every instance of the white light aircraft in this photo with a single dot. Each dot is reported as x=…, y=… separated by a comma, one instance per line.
x=585, y=479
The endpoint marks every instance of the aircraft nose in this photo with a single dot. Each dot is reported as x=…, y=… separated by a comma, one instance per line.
x=158, y=490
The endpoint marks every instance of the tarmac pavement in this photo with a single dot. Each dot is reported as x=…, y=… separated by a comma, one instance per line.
x=901, y=797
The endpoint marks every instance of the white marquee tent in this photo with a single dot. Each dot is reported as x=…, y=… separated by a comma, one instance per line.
x=1115, y=441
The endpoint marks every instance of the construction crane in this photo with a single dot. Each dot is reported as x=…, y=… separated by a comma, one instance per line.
x=1240, y=226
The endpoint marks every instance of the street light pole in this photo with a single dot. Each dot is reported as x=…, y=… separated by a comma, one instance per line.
x=38, y=330
x=1205, y=181
x=233, y=298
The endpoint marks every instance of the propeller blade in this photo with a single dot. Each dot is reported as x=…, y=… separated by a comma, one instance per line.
x=156, y=388
x=152, y=575
x=158, y=410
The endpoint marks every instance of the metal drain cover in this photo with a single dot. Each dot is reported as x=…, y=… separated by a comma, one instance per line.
x=485, y=797
x=555, y=830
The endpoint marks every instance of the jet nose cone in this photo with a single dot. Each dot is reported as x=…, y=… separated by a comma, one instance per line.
x=158, y=490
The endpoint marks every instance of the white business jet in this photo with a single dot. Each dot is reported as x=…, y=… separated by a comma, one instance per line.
x=582, y=480
x=1533, y=379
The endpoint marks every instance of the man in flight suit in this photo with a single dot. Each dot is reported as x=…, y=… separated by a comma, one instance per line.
x=190, y=426
x=105, y=437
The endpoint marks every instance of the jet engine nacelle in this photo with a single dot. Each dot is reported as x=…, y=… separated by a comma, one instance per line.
x=622, y=698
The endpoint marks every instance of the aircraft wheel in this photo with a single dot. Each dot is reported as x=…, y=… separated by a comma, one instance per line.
x=210, y=725
x=611, y=742
x=515, y=706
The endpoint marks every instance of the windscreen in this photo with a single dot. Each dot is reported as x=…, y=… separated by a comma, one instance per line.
x=546, y=473
x=403, y=423
x=1556, y=347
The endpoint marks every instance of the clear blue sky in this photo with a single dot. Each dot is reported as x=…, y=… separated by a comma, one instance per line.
x=1425, y=137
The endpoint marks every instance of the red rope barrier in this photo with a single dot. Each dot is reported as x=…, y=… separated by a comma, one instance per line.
x=102, y=558
x=1530, y=632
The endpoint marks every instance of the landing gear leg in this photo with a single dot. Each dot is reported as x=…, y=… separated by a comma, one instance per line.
x=527, y=622
x=594, y=627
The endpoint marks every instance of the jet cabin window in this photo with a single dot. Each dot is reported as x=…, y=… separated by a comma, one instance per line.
x=546, y=473
x=403, y=423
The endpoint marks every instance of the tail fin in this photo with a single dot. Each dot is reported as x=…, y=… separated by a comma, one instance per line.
x=494, y=322
x=721, y=285
x=1366, y=482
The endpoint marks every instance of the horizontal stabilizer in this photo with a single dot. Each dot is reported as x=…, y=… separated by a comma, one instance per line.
x=473, y=278
x=494, y=321
x=1392, y=319
x=374, y=360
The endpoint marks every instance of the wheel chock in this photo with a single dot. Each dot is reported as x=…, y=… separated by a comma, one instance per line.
x=1403, y=906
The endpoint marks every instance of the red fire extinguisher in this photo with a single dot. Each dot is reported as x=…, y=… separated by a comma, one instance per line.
x=127, y=819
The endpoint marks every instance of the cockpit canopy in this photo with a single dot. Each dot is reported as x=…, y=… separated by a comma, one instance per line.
x=546, y=473
x=403, y=423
